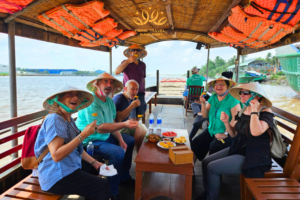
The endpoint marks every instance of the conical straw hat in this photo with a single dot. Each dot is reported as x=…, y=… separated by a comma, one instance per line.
x=65, y=89
x=254, y=87
x=210, y=85
x=135, y=46
x=117, y=87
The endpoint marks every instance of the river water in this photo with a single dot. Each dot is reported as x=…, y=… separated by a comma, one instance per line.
x=33, y=90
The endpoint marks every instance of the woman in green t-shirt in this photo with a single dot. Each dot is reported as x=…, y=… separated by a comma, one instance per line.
x=214, y=138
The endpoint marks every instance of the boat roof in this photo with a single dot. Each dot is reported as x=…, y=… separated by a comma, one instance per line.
x=185, y=21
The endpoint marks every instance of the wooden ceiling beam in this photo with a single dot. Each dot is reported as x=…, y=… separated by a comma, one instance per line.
x=169, y=15
x=194, y=38
x=117, y=18
x=225, y=15
x=152, y=36
x=31, y=5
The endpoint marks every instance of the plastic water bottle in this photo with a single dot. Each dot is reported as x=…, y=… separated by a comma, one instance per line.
x=151, y=120
x=158, y=120
x=90, y=148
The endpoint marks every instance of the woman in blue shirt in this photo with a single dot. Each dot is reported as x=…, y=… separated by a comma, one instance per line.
x=60, y=170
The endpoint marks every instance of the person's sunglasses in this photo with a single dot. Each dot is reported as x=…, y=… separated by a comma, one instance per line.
x=137, y=50
x=71, y=95
x=244, y=92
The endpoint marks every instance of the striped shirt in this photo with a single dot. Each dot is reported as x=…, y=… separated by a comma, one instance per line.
x=49, y=171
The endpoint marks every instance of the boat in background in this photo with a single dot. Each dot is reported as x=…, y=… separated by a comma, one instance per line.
x=289, y=59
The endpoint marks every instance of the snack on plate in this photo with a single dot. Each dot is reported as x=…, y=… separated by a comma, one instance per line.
x=153, y=137
x=180, y=139
x=166, y=144
x=169, y=134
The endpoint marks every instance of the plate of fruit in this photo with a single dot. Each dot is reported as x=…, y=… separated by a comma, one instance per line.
x=180, y=140
x=153, y=137
x=166, y=145
x=169, y=134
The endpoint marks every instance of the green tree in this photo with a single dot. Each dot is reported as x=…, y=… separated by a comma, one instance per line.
x=244, y=57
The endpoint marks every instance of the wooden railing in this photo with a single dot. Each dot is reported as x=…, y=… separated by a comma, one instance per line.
x=4, y=128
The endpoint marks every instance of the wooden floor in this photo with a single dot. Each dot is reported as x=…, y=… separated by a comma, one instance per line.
x=157, y=184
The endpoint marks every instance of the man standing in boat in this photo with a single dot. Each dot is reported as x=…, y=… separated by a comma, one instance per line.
x=107, y=140
x=134, y=68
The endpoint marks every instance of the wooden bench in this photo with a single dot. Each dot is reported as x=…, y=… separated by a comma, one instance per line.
x=148, y=100
x=277, y=171
x=275, y=188
x=28, y=188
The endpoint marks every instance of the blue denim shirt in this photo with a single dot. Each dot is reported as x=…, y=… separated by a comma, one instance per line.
x=49, y=171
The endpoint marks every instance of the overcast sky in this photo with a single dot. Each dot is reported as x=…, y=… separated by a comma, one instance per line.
x=170, y=57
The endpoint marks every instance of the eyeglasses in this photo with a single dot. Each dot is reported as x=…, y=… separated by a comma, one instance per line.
x=71, y=95
x=221, y=85
x=137, y=50
x=244, y=92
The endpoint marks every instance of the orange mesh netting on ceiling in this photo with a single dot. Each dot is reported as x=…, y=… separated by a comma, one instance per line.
x=261, y=23
x=87, y=22
x=12, y=6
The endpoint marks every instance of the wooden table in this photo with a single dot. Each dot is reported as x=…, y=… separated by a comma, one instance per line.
x=152, y=158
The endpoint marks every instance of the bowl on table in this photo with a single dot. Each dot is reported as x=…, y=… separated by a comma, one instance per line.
x=169, y=134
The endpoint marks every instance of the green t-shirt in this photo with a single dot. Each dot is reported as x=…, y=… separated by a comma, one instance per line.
x=195, y=79
x=214, y=114
x=103, y=112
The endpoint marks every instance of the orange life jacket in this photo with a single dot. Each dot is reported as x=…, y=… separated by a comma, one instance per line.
x=285, y=11
x=87, y=23
x=264, y=30
x=226, y=39
x=12, y=6
x=241, y=37
x=69, y=24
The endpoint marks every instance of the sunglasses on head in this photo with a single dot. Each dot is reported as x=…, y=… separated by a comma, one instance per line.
x=137, y=50
x=244, y=92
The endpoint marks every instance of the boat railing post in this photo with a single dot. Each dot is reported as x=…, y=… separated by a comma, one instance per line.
x=110, y=61
x=237, y=65
x=157, y=81
x=12, y=80
x=207, y=64
x=188, y=74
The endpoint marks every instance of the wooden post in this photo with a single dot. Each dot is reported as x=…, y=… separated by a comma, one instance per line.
x=110, y=61
x=157, y=81
x=188, y=74
x=207, y=64
x=12, y=80
x=237, y=65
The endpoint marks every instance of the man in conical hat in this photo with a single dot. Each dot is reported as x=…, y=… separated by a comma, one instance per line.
x=133, y=68
x=107, y=140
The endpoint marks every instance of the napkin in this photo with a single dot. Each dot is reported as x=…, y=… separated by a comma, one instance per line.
x=111, y=172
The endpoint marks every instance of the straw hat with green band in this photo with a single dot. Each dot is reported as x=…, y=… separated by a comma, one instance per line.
x=52, y=104
x=117, y=87
x=254, y=87
x=135, y=46
x=210, y=85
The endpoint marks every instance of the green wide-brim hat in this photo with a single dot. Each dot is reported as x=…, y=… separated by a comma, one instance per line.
x=117, y=86
x=65, y=89
x=254, y=87
x=210, y=85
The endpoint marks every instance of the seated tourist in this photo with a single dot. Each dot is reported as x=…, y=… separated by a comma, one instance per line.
x=107, y=140
x=125, y=104
x=60, y=170
x=194, y=80
x=214, y=138
x=249, y=153
x=196, y=107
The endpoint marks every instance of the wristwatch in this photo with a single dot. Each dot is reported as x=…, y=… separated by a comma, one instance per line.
x=226, y=133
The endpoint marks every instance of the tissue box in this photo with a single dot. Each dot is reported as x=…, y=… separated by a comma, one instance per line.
x=181, y=155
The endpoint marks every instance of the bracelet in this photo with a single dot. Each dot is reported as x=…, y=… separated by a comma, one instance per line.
x=254, y=113
x=94, y=162
x=79, y=138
